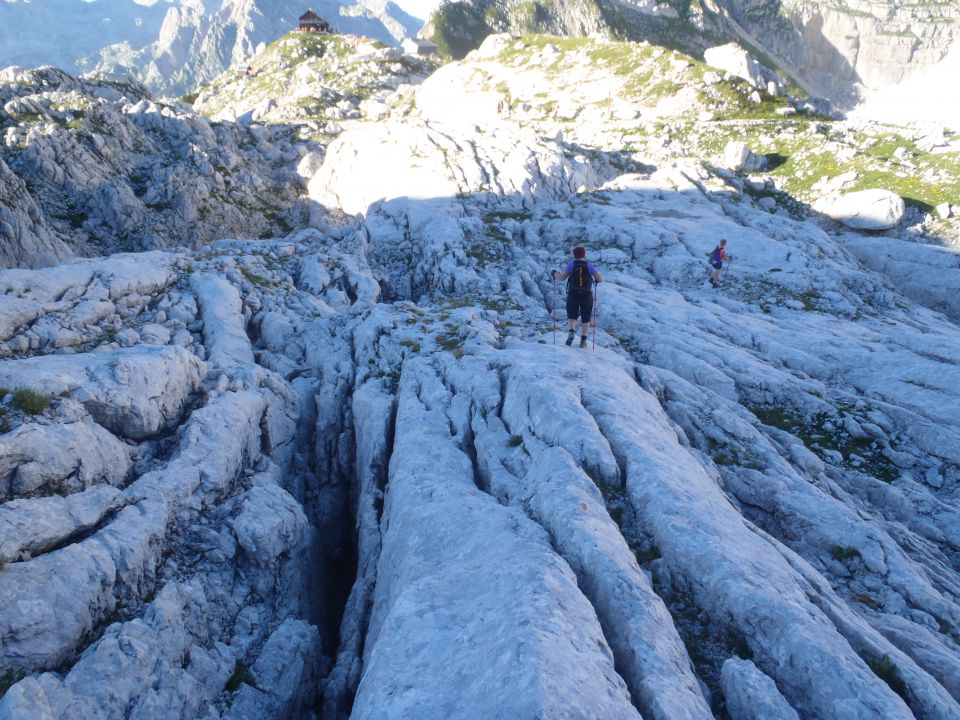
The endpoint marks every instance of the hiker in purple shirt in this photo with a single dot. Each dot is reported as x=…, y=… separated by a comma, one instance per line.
x=582, y=275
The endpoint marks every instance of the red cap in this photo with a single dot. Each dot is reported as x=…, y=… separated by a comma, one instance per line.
x=579, y=252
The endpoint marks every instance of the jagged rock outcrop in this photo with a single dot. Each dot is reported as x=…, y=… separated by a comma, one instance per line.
x=842, y=50
x=844, y=53
x=94, y=165
x=734, y=60
x=25, y=241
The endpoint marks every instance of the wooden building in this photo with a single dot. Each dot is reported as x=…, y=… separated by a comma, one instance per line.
x=418, y=46
x=311, y=22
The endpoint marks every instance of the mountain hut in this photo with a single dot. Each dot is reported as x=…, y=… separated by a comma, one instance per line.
x=418, y=46
x=311, y=22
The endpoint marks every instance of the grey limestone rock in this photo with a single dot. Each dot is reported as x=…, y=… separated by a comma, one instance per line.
x=135, y=393
x=875, y=209
x=60, y=458
x=751, y=695
x=29, y=526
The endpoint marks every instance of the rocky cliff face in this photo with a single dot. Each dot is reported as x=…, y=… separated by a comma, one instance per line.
x=844, y=51
x=840, y=52
x=64, y=33
x=174, y=47
x=459, y=26
x=353, y=472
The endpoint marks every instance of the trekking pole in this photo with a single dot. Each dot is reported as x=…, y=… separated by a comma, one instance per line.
x=554, y=276
x=723, y=274
x=596, y=311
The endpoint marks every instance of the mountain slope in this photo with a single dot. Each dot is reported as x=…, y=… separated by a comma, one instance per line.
x=354, y=472
x=174, y=46
x=839, y=52
x=842, y=51
x=307, y=77
x=459, y=27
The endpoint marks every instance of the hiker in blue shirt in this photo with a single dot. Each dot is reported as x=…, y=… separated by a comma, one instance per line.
x=582, y=275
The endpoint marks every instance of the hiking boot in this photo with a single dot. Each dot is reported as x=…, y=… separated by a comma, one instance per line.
x=583, y=341
x=570, y=338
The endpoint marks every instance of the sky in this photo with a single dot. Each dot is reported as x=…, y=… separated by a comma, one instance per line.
x=418, y=8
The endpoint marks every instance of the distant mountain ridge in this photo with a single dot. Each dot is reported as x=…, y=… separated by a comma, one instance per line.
x=174, y=45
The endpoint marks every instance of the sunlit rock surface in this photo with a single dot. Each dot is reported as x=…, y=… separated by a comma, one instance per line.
x=354, y=471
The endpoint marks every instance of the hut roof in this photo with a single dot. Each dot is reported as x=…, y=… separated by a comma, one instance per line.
x=421, y=43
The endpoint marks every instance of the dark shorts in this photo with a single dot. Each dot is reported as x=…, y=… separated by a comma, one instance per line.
x=717, y=265
x=580, y=304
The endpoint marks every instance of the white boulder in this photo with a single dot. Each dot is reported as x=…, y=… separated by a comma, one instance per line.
x=61, y=458
x=134, y=392
x=155, y=334
x=284, y=674
x=734, y=60
x=739, y=158
x=875, y=209
x=271, y=523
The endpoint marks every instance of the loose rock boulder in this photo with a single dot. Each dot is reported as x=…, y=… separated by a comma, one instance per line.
x=865, y=210
x=739, y=158
x=736, y=61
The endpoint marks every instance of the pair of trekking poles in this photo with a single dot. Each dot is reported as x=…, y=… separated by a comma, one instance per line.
x=596, y=312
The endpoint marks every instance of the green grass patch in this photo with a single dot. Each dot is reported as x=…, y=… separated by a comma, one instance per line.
x=857, y=453
x=450, y=341
x=515, y=441
x=256, y=279
x=30, y=401
x=807, y=150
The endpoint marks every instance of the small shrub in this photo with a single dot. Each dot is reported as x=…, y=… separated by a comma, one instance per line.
x=844, y=553
x=515, y=441
x=240, y=675
x=886, y=670
x=30, y=401
x=723, y=457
